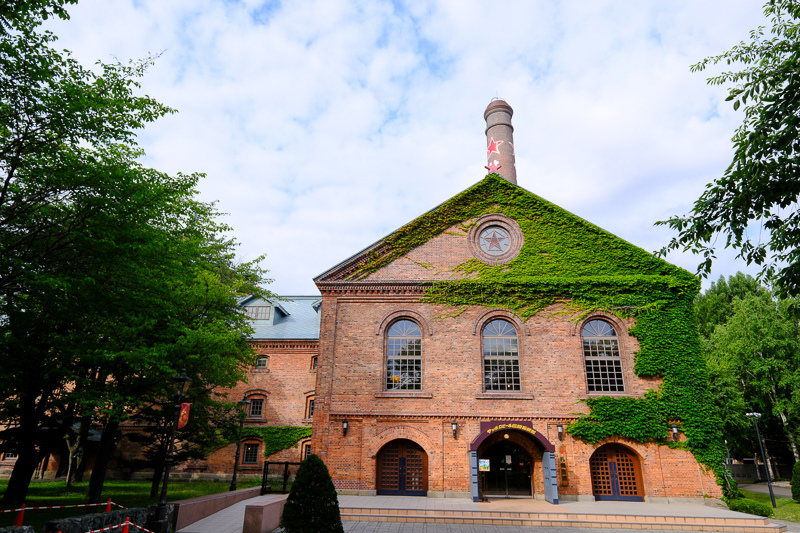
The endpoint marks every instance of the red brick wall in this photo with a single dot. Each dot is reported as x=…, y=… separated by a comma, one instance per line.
x=285, y=385
x=351, y=382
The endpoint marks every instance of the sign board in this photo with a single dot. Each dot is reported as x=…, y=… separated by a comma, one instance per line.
x=508, y=459
x=483, y=465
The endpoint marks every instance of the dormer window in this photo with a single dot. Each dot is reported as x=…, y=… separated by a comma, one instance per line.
x=257, y=312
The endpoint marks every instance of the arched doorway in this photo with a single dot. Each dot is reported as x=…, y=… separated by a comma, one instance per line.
x=616, y=474
x=515, y=449
x=402, y=469
x=510, y=470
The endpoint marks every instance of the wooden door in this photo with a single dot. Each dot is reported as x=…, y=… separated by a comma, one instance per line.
x=616, y=474
x=402, y=469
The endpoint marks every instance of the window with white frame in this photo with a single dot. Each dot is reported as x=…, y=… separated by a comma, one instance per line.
x=262, y=362
x=257, y=312
x=601, y=356
x=404, y=356
x=500, y=356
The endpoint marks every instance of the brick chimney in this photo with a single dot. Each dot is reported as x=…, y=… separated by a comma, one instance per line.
x=500, y=139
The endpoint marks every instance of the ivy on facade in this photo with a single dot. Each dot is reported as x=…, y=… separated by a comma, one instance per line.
x=277, y=438
x=568, y=260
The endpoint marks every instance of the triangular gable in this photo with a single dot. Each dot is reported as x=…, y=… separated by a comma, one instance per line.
x=250, y=300
x=556, y=243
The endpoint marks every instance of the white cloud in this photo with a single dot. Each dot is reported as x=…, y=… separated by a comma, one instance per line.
x=323, y=125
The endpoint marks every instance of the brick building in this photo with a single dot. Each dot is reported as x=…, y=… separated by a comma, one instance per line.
x=421, y=395
x=280, y=388
x=459, y=356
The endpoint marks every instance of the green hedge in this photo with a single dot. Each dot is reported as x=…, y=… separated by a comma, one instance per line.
x=796, y=482
x=744, y=505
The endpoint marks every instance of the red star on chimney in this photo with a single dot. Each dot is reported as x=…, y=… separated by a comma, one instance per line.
x=493, y=167
x=493, y=147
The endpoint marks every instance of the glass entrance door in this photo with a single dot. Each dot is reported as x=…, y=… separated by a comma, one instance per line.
x=509, y=472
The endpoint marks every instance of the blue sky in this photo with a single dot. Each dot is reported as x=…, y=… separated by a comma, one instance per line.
x=324, y=125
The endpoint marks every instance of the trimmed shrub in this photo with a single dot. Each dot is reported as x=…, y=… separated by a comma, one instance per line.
x=312, y=505
x=744, y=505
x=796, y=482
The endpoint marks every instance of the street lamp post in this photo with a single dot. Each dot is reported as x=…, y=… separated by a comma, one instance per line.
x=243, y=403
x=755, y=417
x=182, y=383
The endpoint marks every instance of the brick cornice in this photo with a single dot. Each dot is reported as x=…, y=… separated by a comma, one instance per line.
x=366, y=288
x=309, y=344
x=394, y=415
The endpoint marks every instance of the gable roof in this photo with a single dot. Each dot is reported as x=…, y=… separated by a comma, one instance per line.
x=557, y=242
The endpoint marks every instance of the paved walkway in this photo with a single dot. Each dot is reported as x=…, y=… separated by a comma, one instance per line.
x=230, y=520
x=781, y=489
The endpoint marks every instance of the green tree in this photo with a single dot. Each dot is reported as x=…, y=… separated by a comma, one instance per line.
x=758, y=348
x=759, y=190
x=113, y=276
x=312, y=505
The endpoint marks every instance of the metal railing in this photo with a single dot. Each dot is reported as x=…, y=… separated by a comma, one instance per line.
x=274, y=468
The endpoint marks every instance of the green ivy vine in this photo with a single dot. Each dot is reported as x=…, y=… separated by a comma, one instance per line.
x=568, y=260
x=277, y=438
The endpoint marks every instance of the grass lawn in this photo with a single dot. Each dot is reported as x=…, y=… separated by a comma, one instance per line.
x=126, y=493
x=787, y=509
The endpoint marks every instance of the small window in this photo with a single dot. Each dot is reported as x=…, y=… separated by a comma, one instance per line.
x=500, y=357
x=257, y=408
x=257, y=312
x=8, y=456
x=262, y=362
x=310, y=408
x=601, y=354
x=314, y=363
x=250, y=456
x=306, y=450
x=404, y=356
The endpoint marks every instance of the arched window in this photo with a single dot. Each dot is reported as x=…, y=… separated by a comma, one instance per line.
x=404, y=356
x=601, y=353
x=500, y=356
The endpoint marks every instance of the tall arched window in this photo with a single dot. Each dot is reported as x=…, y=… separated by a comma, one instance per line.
x=500, y=356
x=404, y=356
x=601, y=353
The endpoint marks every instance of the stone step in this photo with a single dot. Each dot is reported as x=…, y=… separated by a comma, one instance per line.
x=641, y=522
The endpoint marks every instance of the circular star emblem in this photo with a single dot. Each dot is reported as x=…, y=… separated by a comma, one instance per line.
x=494, y=240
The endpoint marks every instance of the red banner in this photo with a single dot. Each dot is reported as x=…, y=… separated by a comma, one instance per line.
x=183, y=419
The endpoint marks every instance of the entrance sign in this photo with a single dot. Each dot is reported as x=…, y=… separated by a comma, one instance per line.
x=483, y=465
x=522, y=426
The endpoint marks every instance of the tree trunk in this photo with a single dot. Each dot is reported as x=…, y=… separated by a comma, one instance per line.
x=21, y=475
x=104, y=453
x=790, y=436
x=28, y=454
x=71, y=449
x=768, y=466
x=83, y=437
x=158, y=472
